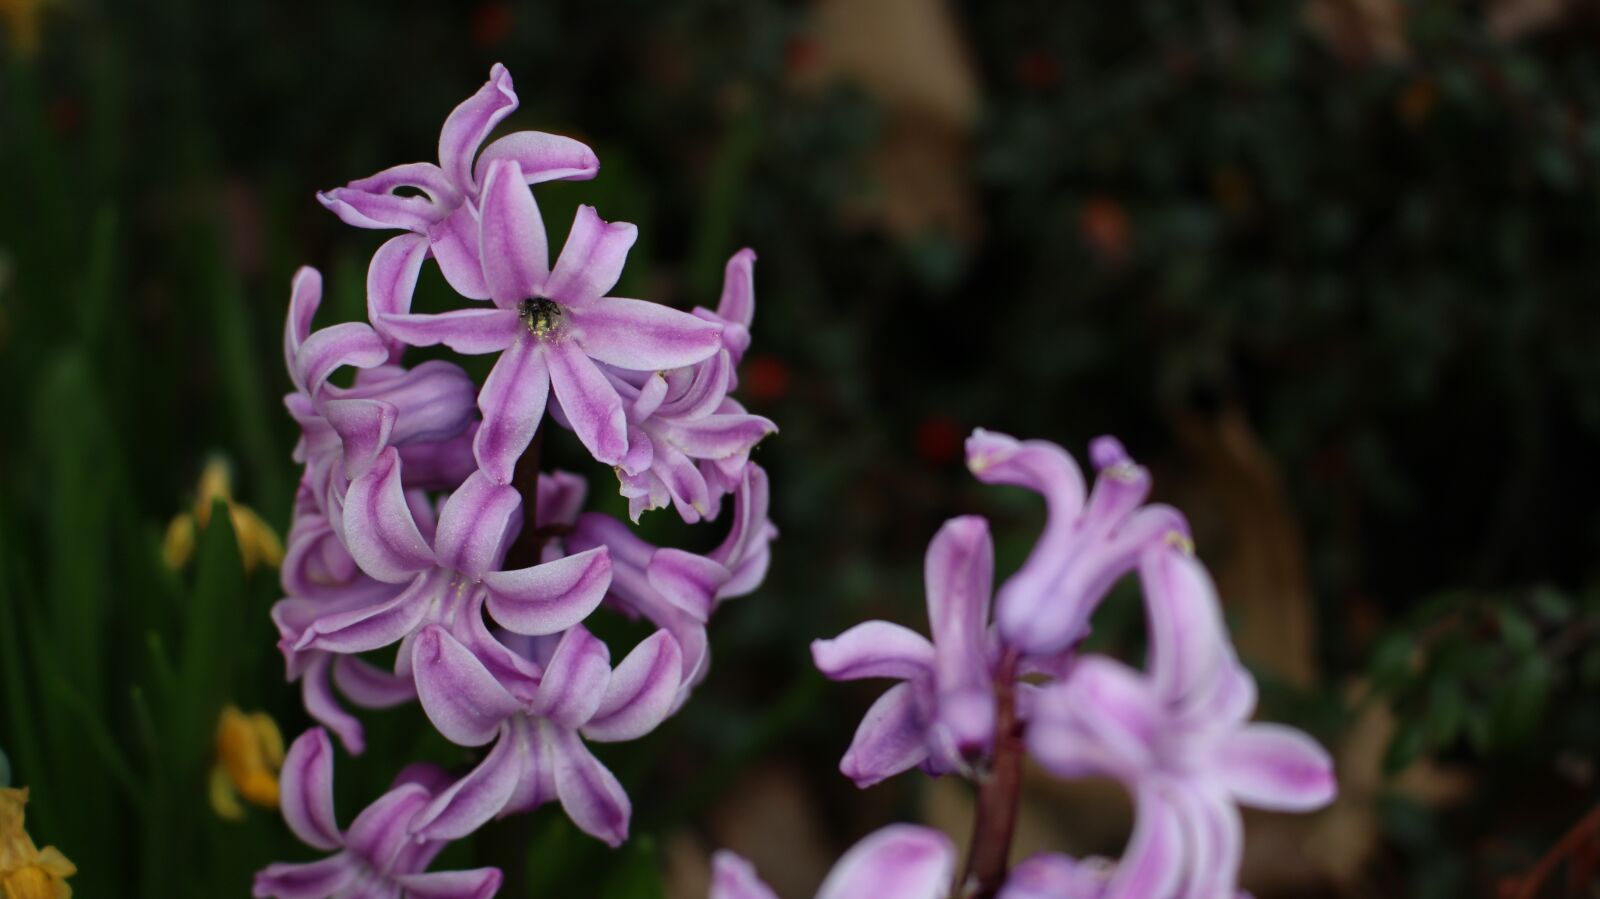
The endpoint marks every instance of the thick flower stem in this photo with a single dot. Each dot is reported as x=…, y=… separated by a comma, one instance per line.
x=999, y=790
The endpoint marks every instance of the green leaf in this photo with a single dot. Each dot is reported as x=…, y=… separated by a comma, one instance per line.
x=636, y=874
x=1518, y=702
x=1519, y=634
x=1406, y=747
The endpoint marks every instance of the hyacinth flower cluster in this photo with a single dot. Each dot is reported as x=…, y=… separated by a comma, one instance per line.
x=1008, y=678
x=431, y=560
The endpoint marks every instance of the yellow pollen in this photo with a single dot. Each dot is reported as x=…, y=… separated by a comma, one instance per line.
x=1180, y=542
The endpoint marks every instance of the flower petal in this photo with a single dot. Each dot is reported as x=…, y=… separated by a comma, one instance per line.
x=574, y=683
x=643, y=336
x=1114, y=706
x=738, y=301
x=734, y=878
x=371, y=687
x=313, y=880
x=550, y=597
x=330, y=349
x=381, y=209
x=376, y=626
x=316, y=694
x=511, y=237
x=305, y=790
x=471, y=331
x=1270, y=766
x=471, y=122
x=687, y=580
x=364, y=427
x=591, y=260
x=874, y=649
x=1050, y=875
x=381, y=533
x=1152, y=865
x=305, y=295
x=462, y=699
x=901, y=861
x=478, y=883
x=392, y=278
x=542, y=157
x=641, y=691
x=589, y=792
x=512, y=402
x=892, y=738
x=959, y=573
x=473, y=800
x=454, y=242
x=592, y=406
x=476, y=524
x=1188, y=641
x=383, y=828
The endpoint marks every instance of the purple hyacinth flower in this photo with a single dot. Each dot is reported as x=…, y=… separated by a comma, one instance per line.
x=1086, y=546
x=1050, y=875
x=552, y=326
x=538, y=713
x=441, y=213
x=942, y=713
x=376, y=856
x=678, y=590
x=901, y=861
x=1178, y=736
x=688, y=441
x=450, y=566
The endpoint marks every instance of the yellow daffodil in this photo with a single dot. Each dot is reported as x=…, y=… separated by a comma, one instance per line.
x=258, y=543
x=249, y=755
x=26, y=872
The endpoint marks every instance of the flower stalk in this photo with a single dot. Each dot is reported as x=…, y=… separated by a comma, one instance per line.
x=999, y=792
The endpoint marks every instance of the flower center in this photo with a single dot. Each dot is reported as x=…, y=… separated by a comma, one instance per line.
x=540, y=316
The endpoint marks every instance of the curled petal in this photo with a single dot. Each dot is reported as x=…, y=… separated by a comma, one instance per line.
x=901, y=861
x=305, y=295
x=471, y=331
x=473, y=800
x=959, y=573
x=1049, y=875
x=383, y=829
x=551, y=597
x=512, y=402
x=332, y=348
x=371, y=687
x=644, y=336
x=687, y=580
x=476, y=525
x=382, y=535
x=368, y=209
x=462, y=699
x=575, y=681
x=542, y=157
x=374, y=626
x=478, y=883
x=1114, y=706
x=305, y=790
x=511, y=237
x=470, y=123
x=592, y=405
x=874, y=649
x=734, y=878
x=738, y=301
x=589, y=792
x=454, y=242
x=317, y=696
x=892, y=738
x=1152, y=866
x=392, y=278
x=364, y=428
x=592, y=259
x=315, y=880
x=1188, y=641
x=1270, y=766
x=641, y=691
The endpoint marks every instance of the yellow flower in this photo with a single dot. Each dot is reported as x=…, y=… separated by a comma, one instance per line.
x=21, y=19
x=249, y=756
x=258, y=543
x=25, y=871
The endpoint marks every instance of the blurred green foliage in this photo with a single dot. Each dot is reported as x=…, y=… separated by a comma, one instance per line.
x=1176, y=212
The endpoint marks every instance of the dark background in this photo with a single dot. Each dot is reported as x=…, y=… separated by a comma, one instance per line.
x=1327, y=267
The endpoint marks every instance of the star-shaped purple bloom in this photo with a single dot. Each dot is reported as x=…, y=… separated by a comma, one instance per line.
x=440, y=212
x=1178, y=735
x=943, y=711
x=1087, y=544
x=538, y=713
x=377, y=856
x=552, y=326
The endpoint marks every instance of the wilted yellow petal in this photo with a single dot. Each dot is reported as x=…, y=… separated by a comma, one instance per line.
x=216, y=482
x=249, y=754
x=257, y=541
x=26, y=872
x=224, y=801
x=178, y=545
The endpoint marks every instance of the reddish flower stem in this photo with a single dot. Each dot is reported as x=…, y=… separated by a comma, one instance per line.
x=999, y=790
x=1585, y=832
